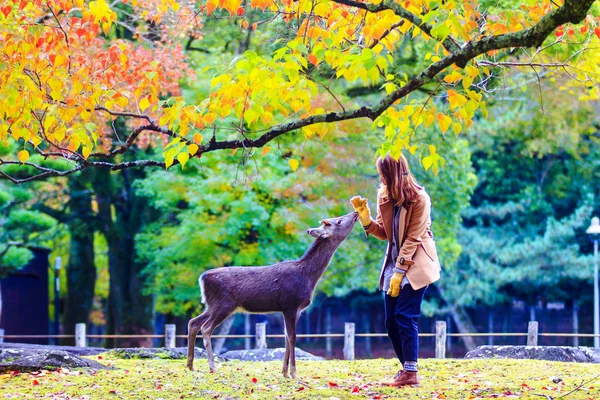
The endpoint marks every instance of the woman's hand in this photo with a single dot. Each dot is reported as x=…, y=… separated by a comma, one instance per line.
x=395, y=284
x=361, y=206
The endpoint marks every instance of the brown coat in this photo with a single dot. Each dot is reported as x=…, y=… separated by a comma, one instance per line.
x=415, y=237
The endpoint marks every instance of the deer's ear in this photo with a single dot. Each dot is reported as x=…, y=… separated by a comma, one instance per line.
x=318, y=233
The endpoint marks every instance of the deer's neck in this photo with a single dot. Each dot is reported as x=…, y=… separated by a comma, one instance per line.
x=317, y=258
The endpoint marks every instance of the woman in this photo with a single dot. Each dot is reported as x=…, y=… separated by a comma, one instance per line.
x=410, y=264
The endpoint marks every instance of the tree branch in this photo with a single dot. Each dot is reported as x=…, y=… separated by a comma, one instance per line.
x=573, y=11
x=449, y=43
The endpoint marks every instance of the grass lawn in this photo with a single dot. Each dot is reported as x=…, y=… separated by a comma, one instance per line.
x=441, y=379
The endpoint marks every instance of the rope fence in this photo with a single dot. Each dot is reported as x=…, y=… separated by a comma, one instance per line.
x=349, y=335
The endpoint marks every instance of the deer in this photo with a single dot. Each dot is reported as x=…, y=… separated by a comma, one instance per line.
x=286, y=287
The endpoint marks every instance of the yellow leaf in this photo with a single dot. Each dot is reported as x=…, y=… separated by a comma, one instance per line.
x=293, y=164
x=85, y=151
x=168, y=160
x=265, y=150
x=23, y=155
x=444, y=121
x=427, y=162
x=456, y=99
x=210, y=118
x=456, y=127
x=193, y=148
x=183, y=158
x=452, y=77
x=198, y=138
x=144, y=103
x=233, y=152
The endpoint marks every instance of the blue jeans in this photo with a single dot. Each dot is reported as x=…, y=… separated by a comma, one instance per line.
x=401, y=321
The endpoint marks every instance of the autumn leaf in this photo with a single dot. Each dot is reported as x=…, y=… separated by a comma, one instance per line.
x=183, y=158
x=293, y=164
x=254, y=380
x=265, y=150
x=313, y=60
x=193, y=148
x=23, y=155
x=444, y=122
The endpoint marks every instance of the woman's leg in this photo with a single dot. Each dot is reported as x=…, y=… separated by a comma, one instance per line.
x=392, y=327
x=406, y=316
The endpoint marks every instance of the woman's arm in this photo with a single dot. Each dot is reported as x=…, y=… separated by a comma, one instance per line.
x=417, y=226
x=376, y=227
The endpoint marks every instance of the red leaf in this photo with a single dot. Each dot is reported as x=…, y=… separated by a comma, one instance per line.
x=35, y=382
x=240, y=11
x=355, y=390
x=254, y=380
x=559, y=32
x=6, y=10
x=333, y=384
x=570, y=32
x=583, y=29
x=301, y=388
x=597, y=31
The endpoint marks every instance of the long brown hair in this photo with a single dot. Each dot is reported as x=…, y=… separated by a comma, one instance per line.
x=397, y=182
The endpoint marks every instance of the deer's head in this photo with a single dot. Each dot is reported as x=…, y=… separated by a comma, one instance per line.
x=335, y=228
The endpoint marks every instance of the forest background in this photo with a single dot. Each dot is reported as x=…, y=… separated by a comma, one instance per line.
x=513, y=191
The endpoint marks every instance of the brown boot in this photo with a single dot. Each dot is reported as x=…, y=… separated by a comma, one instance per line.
x=407, y=378
x=393, y=381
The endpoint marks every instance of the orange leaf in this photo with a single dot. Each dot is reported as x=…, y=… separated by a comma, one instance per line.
x=313, y=60
x=265, y=150
x=210, y=7
x=23, y=155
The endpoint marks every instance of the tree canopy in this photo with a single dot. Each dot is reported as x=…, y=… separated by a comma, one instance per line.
x=70, y=68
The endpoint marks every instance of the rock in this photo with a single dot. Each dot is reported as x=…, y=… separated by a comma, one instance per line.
x=78, y=351
x=550, y=353
x=28, y=360
x=267, y=355
x=176, y=353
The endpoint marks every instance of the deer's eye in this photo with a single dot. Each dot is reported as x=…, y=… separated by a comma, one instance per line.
x=339, y=222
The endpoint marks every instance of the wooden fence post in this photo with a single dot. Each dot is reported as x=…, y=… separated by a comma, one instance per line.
x=170, y=336
x=440, y=339
x=80, y=338
x=349, y=330
x=532, y=333
x=261, y=335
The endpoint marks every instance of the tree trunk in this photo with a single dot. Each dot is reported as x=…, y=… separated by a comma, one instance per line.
x=81, y=268
x=464, y=324
x=122, y=214
x=223, y=329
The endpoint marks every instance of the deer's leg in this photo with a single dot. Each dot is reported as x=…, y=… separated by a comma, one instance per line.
x=286, y=356
x=207, y=329
x=291, y=319
x=194, y=327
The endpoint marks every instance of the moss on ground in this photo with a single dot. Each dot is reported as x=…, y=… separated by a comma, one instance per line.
x=441, y=379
